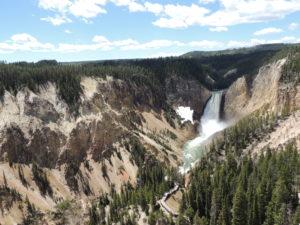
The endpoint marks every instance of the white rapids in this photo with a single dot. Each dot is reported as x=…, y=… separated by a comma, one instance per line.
x=210, y=124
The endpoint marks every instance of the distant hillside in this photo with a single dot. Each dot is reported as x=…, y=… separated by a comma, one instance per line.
x=215, y=72
x=265, y=47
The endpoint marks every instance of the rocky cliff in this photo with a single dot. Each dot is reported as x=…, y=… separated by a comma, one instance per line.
x=268, y=93
x=245, y=96
x=85, y=155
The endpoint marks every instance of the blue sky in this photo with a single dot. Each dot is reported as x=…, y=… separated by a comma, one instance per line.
x=72, y=30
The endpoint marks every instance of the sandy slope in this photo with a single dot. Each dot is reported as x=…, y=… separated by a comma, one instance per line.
x=286, y=130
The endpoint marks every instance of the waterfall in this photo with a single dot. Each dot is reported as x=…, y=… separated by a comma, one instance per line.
x=212, y=109
x=210, y=124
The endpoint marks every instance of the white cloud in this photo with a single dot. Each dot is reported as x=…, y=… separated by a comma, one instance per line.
x=205, y=44
x=241, y=44
x=218, y=29
x=253, y=42
x=131, y=44
x=228, y=13
x=269, y=30
x=294, y=26
x=24, y=42
x=84, y=9
x=136, y=7
x=126, y=42
x=132, y=5
x=57, y=20
x=164, y=54
x=170, y=23
x=154, y=8
x=27, y=43
x=289, y=39
x=23, y=38
x=87, y=8
x=154, y=44
x=206, y=1
x=68, y=31
x=54, y=5
x=100, y=39
x=69, y=48
x=103, y=41
x=252, y=11
x=181, y=16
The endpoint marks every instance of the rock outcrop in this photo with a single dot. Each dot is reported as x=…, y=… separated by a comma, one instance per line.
x=267, y=91
x=243, y=98
x=182, y=92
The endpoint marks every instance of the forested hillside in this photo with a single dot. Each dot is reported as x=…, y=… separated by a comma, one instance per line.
x=245, y=190
x=214, y=72
x=230, y=186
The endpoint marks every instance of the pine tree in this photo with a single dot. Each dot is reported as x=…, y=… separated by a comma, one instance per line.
x=181, y=220
x=296, y=216
x=152, y=219
x=276, y=209
x=224, y=216
x=199, y=221
x=190, y=213
x=196, y=219
x=239, y=215
x=282, y=215
x=215, y=206
x=183, y=204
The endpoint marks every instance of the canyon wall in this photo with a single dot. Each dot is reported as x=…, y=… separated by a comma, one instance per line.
x=245, y=96
x=84, y=154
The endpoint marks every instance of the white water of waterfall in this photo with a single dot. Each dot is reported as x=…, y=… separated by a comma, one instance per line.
x=210, y=124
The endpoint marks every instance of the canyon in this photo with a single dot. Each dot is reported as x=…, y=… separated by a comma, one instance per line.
x=86, y=154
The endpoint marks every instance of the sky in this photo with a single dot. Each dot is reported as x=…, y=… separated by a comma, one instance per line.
x=77, y=30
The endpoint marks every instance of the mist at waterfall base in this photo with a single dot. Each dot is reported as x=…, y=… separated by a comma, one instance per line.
x=210, y=124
